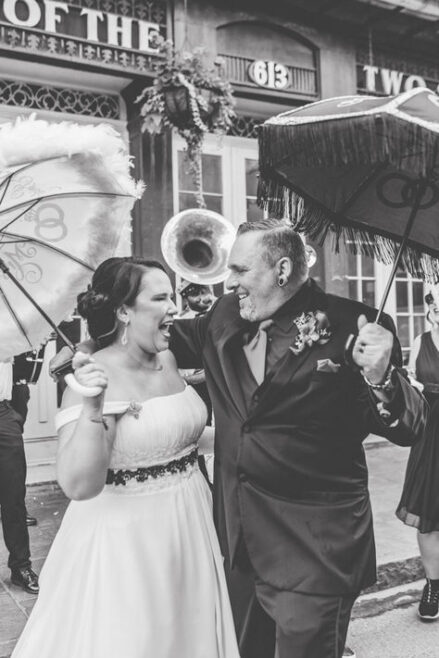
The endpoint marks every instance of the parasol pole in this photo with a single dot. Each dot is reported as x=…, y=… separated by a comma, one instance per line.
x=420, y=188
x=5, y=269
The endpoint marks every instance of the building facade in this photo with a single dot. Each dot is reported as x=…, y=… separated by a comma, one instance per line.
x=88, y=60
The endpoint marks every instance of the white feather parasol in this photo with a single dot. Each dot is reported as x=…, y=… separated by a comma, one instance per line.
x=65, y=197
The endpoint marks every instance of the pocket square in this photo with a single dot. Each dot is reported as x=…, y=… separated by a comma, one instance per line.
x=326, y=365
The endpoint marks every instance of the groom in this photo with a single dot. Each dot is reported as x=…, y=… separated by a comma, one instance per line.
x=290, y=490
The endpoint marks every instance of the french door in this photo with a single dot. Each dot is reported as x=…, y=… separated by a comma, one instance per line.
x=228, y=176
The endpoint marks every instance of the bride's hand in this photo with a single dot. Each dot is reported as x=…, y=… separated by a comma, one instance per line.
x=88, y=373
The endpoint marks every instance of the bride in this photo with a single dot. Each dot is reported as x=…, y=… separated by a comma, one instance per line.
x=135, y=569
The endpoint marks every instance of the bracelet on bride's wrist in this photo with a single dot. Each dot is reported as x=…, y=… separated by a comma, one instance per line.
x=100, y=420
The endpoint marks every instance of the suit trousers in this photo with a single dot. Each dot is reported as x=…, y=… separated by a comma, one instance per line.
x=281, y=624
x=20, y=399
x=13, y=487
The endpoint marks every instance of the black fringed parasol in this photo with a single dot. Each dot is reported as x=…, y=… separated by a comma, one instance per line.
x=361, y=168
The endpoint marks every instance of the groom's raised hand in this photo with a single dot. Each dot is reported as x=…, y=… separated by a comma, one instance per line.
x=372, y=350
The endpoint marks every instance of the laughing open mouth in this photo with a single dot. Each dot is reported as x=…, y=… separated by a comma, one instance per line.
x=165, y=328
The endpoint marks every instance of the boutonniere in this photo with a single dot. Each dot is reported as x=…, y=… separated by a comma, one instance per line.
x=313, y=329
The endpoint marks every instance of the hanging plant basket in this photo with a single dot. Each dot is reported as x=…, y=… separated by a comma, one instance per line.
x=177, y=105
x=190, y=97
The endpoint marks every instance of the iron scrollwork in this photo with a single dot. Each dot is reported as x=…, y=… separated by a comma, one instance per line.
x=74, y=101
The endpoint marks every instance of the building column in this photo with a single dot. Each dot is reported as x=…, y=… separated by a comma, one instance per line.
x=152, y=160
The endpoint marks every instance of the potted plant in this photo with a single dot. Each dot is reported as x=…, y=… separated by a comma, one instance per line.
x=190, y=97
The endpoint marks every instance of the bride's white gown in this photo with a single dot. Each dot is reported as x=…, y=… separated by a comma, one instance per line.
x=137, y=572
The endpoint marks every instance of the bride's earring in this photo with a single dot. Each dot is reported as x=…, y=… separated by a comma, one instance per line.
x=124, y=337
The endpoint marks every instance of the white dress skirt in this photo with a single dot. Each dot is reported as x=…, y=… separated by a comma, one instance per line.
x=137, y=571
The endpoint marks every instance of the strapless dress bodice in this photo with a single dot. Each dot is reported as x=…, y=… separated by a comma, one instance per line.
x=151, y=432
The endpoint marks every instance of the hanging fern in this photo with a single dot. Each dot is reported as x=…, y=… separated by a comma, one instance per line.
x=210, y=103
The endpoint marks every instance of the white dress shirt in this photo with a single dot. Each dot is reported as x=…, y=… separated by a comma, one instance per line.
x=6, y=380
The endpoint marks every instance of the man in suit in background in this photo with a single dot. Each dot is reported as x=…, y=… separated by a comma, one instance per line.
x=290, y=489
x=13, y=487
x=26, y=370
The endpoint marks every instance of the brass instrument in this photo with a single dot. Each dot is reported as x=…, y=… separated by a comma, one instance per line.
x=196, y=244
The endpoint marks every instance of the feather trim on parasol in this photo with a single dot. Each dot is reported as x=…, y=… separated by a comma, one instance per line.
x=65, y=199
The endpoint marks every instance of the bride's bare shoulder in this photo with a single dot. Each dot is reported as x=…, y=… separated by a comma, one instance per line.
x=106, y=356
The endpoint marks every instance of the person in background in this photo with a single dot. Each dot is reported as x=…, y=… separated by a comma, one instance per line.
x=26, y=370
x=198, y=297
x=13, y=487
x=419, y=504
x=19, y=402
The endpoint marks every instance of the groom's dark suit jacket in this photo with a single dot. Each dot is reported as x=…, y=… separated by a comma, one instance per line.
x=290, y=470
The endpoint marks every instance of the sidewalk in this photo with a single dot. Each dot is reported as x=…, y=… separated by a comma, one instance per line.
x=396, y=544
x=47, y=503
x=400, y=571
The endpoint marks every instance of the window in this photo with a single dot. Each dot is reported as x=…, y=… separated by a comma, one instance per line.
x=360, y=274
x=229, y=178
x=253, y=212
x=211, y=183
x=410, y=309
x=364, y=279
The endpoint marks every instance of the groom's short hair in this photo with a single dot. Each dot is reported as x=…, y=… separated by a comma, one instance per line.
x=279, y=239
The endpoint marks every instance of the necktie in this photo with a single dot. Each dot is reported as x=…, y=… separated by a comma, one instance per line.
x=255, y=351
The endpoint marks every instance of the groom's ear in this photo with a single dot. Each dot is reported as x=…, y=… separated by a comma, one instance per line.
x=284, y=267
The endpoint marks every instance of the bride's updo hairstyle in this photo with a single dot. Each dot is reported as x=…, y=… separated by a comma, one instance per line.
x=115, y=282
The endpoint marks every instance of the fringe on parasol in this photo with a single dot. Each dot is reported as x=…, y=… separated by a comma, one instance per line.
x=369, y=140
x=308, y=217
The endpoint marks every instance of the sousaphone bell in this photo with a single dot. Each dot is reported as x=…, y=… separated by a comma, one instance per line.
x=196, y=244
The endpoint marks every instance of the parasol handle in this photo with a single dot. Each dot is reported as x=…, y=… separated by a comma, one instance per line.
x=420, y=189
x=65, y=370
x=85, y=391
